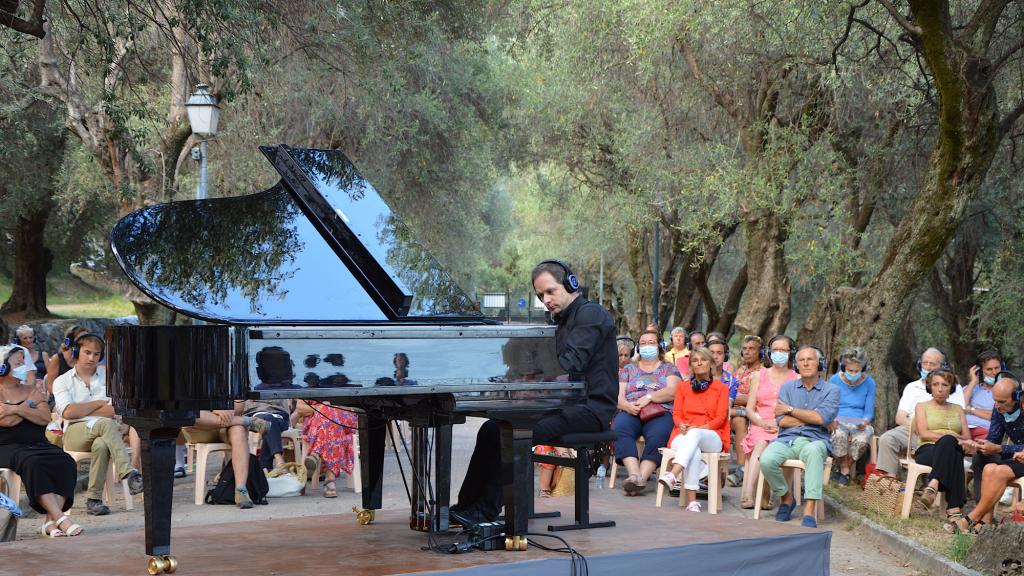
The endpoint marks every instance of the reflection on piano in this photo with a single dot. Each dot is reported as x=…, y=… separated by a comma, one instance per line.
x=318, y=272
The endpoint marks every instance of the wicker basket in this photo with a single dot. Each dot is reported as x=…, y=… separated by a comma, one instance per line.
x=566, y=483
x=884, y=494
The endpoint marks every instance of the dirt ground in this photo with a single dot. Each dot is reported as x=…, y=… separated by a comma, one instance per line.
x=849, y=554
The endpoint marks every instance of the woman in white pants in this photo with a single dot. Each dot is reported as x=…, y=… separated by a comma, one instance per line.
x=701, y=416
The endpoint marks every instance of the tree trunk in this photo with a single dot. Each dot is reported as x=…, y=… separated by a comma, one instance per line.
x=765, y=310
x=32, y=262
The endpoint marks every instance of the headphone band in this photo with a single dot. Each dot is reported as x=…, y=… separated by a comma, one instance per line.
x=570, y=282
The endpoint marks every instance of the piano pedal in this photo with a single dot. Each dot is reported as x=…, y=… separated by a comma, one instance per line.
x=162, y=565
x=364, y=517
x=516, y=543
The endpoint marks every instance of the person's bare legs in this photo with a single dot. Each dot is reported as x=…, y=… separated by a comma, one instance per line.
x=750, y=474
x=54, y=506
x=632, y=466
x=207, y=420
x=135, y=444
x=994, y=481
x=739, y=427
x=545, y=480
x=845, y=464
x=238, y=437
x=645, y=469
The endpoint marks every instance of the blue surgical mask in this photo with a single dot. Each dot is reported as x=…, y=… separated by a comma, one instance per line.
x=780, y=358
x=21, y=372
x=851, y=377
x=1012, y=415
x=924, y=373
x=990, y=380
x=648, y=352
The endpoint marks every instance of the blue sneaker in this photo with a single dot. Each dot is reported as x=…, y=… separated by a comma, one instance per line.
x=784, y=513
x=809, y=522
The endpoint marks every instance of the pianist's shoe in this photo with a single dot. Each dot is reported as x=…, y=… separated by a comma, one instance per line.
x=467, y=517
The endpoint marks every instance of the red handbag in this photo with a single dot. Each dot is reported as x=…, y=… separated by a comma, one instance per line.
x=651, y=411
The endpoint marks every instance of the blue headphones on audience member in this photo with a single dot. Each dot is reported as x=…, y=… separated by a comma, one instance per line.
x=5, y=367
x=570, y=282
x=76, y=347
x=1018, y=392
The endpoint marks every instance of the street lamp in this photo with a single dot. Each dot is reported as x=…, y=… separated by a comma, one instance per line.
x=203, y=114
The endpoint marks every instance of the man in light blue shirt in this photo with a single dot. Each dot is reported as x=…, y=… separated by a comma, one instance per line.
x=805, y=408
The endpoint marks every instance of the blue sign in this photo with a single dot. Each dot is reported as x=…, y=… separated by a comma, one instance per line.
x=521, y=303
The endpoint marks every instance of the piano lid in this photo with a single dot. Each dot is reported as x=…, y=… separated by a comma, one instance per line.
x=319, y=247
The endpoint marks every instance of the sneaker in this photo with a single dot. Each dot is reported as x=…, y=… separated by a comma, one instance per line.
x=1007, y=497
x=669, y=480
x=96, y=508
x=693, y=506
x=736, y=478
x=179, y=471
x=258, y=425
x=784, y=513
x=134, y=478
x=809, y=522
x=674, y=493
x=242, y=499
x=843, y=479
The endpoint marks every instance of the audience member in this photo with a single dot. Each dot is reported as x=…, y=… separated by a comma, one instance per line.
x=694, y=340
x=720, y=353
x=892, y=445
x=805, y=408
x=995, y=464
x=978, y=392
x=764, y=391
x=750, y=362
x=230, y=427
x=626, y=348
x=700, y=415
x=941, y=429
x=277, y=413
x=19, y=366
x=851, y=430
x=328, y=431
x=727, y=364
x=89, y=426
x=46, y=471
x=678, y=349
x=62, y=361
x=26, y=338
x=646, y=390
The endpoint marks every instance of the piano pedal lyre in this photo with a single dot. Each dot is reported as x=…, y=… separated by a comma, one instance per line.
x=364, y=517
x=162, y=565
x=516, y=543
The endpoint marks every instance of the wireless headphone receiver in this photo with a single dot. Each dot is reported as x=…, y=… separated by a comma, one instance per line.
x=570, y=282
x=76, y=346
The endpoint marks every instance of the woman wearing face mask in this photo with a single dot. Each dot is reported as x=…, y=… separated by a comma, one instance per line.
x=978, y=393
x=19, y=368
x=851, y=430
x=646, y=390
x=764, y=391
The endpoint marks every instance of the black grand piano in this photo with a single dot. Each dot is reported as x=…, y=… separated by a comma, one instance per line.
x=316, y=289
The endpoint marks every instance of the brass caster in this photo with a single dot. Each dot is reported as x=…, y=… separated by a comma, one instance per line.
x=364, y=517
x=515, y=543
x=162, y=565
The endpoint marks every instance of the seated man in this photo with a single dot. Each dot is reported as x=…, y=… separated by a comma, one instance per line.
x=805, y=408
x=276, y=413
x=996, y=464
x=893, y=444
x=89, y=425
x=229, y=427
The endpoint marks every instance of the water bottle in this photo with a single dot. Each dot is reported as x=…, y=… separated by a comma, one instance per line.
x=601, y=473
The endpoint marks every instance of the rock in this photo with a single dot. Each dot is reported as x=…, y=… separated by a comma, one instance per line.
x=998, y=550
x=50, y=335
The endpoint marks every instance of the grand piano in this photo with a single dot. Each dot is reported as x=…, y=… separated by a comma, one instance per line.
x=316, y=289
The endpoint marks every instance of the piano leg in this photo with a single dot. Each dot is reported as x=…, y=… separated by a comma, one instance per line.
x=442, y=476
x=517, y=475
x=430, y=502
x=158, y=438
x=372, y=431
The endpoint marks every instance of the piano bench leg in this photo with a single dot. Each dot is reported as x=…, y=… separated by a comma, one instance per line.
x=582, y=504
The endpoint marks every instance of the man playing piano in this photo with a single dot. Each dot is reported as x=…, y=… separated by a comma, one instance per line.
x=585, y=346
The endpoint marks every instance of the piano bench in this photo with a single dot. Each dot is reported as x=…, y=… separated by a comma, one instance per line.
x=584, y=443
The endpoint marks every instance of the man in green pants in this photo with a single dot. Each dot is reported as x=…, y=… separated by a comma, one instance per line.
x=805, y=409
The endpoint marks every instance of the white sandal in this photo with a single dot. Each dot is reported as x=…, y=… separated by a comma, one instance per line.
x=55, y=533
x=73, y=530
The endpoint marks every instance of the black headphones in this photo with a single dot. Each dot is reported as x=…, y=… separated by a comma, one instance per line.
x=722, y=342
x=863, y=369
x=689, y=339
x=1018, y=392
x=792, y=348
x=944, y=365
x=76, y=346
x=821, y=355
x=627, y=339
x=570, y=282
x=985, y=356
x=699, y=386
x=952, y=385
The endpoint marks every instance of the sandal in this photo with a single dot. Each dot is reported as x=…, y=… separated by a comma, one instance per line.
x=746, y=504
x=928, y=496
x=70, y=531
x=330, y=489
x=545, y=493
x=55, y=531
x=959, y=524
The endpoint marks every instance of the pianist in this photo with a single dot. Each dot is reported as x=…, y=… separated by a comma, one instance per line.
x=585, y=346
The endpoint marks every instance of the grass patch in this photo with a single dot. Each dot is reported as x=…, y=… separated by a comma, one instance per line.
x=69, y=297
x=923, y=527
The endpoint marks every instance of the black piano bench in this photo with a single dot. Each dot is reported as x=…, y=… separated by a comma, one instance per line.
x=584, y=444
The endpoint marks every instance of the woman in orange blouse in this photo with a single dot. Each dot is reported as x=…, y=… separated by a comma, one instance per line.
x=701, y=416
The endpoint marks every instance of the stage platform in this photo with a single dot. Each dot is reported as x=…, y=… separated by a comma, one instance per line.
x=645, y=539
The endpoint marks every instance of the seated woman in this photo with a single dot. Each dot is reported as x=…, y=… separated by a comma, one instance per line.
x=764, y=391
x=35, y=357
x=701, y=417
x=851, y=430
x=941, y=428
x=47, y=472
x=647, y=383
x=978, y=393
x=328, y=433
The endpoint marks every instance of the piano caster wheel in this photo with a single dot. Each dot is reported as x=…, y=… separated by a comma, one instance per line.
x=364, y=517
x=162, y=565
x=516, y=543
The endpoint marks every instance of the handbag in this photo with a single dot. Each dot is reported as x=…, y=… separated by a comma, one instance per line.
x=651, y=411
x=288, y=479
x=884, y=494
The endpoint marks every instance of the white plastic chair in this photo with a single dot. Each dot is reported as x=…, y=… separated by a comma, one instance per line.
x=714, y=460
x=915, y=471
x=640, y=443
x=108, y=486
x=198, y=454
x=798, y=467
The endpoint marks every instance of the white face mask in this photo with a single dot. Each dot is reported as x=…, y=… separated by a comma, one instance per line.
x=21, y=372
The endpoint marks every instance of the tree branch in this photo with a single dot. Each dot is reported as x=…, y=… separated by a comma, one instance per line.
x=722, y=98
x=1006, y=124
x=911, y=28
x=33, y=26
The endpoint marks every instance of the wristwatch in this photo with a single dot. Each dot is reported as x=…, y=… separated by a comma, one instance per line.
x=31, y=403
x=789, y=410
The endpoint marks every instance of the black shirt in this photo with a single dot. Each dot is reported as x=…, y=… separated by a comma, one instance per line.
x=585, y=345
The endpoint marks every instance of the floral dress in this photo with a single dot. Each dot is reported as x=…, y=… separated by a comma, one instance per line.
x=332, y=443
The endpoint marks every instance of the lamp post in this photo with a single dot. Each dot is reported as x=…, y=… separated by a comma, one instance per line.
x=203, y=114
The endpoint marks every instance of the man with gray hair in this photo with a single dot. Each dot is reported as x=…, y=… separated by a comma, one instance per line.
x=893, y=444
x=678, y=349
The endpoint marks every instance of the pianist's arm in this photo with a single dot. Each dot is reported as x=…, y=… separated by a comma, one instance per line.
x=583, y=340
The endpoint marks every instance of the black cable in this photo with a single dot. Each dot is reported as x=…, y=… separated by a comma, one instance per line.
x=398, y=459
x=577, y=562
